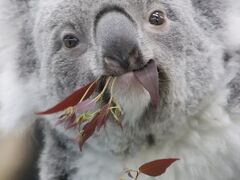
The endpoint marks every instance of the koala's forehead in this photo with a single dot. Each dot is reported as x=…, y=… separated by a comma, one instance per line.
x=58, y=11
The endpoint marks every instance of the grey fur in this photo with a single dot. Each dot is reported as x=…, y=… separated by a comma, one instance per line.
x=190, y=51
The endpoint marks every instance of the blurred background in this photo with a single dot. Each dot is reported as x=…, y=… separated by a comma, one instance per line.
x=19, y=155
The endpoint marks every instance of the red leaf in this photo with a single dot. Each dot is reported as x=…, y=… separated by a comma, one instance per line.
x=84, y=106
x=71, y=122
x=102, y=116
x=72, y=99
x=97, y=122
x=88, y=131
x=148, y=77
x=60, y=121
x=71, y=125
x=66, y=118
x=156, y=168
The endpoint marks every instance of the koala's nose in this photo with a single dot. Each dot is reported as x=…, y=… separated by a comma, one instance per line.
x=116, y=34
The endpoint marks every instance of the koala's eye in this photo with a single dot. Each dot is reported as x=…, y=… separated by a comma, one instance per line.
x=157, y=18
x=70, y=41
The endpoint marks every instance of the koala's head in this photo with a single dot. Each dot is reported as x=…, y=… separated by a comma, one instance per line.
x=76, y=41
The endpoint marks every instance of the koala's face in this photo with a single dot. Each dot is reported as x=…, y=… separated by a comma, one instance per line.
x=78, y=40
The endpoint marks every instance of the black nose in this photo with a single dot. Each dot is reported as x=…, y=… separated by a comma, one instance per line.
x=116, y=34
x=124, y=54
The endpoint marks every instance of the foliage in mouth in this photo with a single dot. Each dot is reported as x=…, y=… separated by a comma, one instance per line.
x=89, y=114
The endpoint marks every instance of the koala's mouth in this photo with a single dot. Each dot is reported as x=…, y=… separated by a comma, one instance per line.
x=146, y=77
x=91, y=113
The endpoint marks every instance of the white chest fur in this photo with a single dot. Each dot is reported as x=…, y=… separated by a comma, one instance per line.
x=208, y=148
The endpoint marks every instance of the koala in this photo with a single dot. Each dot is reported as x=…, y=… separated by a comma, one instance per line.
x=54, y=47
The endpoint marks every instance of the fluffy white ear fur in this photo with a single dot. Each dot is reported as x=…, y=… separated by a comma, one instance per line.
x=16, y=108
x=232, y=35
x=16, y=103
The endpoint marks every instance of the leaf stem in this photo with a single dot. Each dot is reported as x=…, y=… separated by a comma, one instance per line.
x=111, y=90
x=103, y=91
x=85, y=94
x=133, y=171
